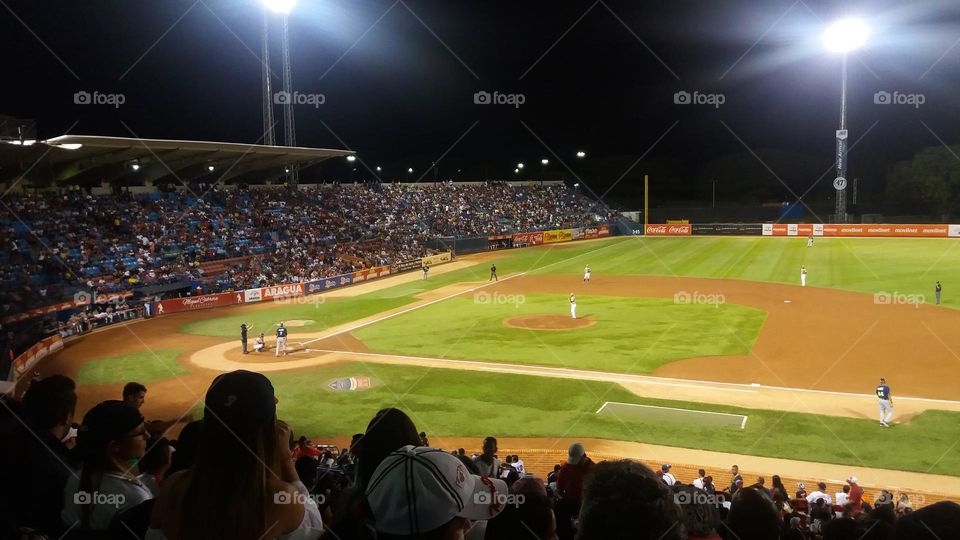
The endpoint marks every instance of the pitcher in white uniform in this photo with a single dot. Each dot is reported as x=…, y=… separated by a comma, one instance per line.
x=573, y=306
x=803, y=276
x=586, y=274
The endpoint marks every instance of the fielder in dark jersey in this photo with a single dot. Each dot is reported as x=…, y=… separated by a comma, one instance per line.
x=281, y=340
x=886, y=403
x=493, y=273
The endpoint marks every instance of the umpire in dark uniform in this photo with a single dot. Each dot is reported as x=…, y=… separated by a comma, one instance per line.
x=243, y=337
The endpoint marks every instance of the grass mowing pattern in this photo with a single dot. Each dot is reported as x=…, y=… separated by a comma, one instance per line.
x=142, y=366
x=446, y=402
x=631, y=335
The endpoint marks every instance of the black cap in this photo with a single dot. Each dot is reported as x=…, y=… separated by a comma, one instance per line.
x=107, y=421
x=240, y=398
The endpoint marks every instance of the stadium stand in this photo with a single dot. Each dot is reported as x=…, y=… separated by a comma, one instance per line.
x=93, y=486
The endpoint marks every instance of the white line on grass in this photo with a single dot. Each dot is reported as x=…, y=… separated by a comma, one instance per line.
x=695, y=411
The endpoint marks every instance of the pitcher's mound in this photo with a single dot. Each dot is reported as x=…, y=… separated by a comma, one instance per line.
x=549, y=322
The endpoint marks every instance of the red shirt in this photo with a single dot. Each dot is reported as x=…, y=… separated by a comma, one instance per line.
x=300, y=451
x=570, y=479
x=856, y=497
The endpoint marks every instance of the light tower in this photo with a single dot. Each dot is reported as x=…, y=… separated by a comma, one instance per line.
x=283, y=8
x=843, y=37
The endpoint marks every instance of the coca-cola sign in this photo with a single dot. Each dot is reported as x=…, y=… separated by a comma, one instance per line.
x=669, y=230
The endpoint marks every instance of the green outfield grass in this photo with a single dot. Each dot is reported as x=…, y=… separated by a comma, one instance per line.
x=141, y=366
x=631, y=334
x=446, y=402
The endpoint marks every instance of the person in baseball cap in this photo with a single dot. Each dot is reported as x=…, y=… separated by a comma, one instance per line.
x=421, y=491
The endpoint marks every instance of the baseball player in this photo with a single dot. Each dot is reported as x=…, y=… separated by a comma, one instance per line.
x=243, y=337
x=886, y=403
x=573, y=306
x=281, y=340
x=426, y=270
x=586, y=274
x=803, y=276
x=493, y=273
x=259, y=344
x=810, y=241
x=937, y=291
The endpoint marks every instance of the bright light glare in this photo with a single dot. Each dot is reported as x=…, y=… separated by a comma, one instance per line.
x=845, y=35
x=351, y=158
x=280, y=6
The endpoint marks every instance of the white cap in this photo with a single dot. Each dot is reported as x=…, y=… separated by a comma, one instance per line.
x=852, y=480
x=575, y=453
x=419, y=489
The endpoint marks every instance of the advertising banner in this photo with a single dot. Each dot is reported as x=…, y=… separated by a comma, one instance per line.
x=29, y=358
x=904, y=230
x=281, y=291
x=578, y=233
x=590, y=233
x=252, y=295
x=313, y=287
x=405, y=266
x=439, y=258
x=603, y=231
x=370, y=273
x=190, y=303
x=561, y=235
x=732, y=229
x=669, y=230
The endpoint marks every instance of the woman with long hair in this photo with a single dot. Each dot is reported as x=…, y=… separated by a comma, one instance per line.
x=243, y=484
x=110, y=440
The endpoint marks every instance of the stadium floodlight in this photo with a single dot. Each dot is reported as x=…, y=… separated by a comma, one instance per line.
x=581, y=154
x=135, y=165
x=516, y=171
x=351, y=159
x=379, y=168
x=519, y=165
x=286, y=170
x=845, y=35
x=410, y=170
x=544, y=161
x=210, y=167
x=280, y=6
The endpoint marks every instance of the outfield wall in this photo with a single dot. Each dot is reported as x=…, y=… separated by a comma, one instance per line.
x=879, y=230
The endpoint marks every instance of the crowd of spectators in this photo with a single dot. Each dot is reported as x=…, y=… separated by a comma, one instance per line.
x=239, y=473
x=59, y=243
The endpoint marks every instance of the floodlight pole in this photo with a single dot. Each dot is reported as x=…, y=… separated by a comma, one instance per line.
x=290, y=130
x=840, y=182
x=269, y=138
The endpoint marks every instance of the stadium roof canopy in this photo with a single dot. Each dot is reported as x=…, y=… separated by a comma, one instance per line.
x=85, y=159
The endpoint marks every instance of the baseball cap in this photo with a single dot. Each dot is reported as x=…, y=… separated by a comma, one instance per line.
x=107, y=421
x=664, y=468
x=575, y=453
x=240, y=399
x=418, y=489
x=852, y=480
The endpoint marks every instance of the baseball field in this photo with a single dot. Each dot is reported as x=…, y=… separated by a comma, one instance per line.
x=698, y=343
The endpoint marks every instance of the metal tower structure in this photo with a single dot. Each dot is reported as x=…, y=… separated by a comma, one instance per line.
x=289, y=126
x=269, y=138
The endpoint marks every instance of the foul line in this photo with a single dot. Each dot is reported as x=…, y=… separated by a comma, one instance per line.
x=604, y=406
x=447, y=297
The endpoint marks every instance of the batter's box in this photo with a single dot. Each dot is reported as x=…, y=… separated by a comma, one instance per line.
x=671, y=414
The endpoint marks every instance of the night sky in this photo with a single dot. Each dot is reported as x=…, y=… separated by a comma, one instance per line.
x=399, y=80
